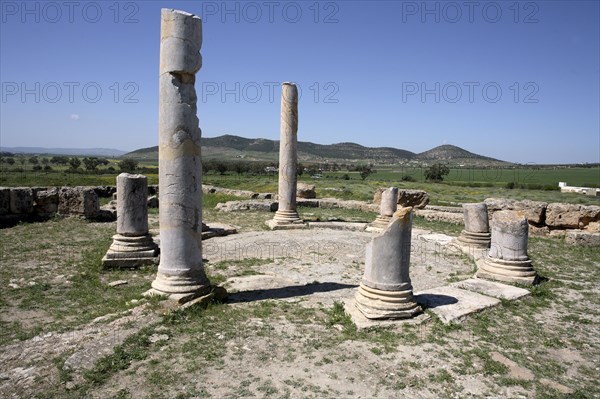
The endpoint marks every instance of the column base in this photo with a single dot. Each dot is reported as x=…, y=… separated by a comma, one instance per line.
x=181, y=288
x=480, y=240
x=213, y=293
x=286, y=220
x=520, y=272
x=379, y=224
x=379, y=304
x=130, y=252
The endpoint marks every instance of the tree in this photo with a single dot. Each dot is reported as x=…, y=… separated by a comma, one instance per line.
x=436, y=172
x=300, y=169
x=33, y=160
x=74, y=163
x=240, y=167
x=59, y=160
x=221, y=167
x=365, y=170
x=128, y=165
x=91, y=163
x=10, y=161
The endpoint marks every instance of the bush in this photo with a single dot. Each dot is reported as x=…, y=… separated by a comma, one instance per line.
x=128, y=165
x=436, y=172
x=510, y=185
x=408, y=178
x=346, y=176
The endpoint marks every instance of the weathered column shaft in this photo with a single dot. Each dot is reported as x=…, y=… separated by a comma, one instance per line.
x=386, y=290
x=389, y=202
x=132, y=205
x=387, y=207
x=476, y=218
x=180, y=170
x=288, y=158
x=287, y=216
x=510, y=234
x=508, y=259
x=132, y=246
x=477, y=228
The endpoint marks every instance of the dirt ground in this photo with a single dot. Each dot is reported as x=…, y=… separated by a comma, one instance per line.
x=283, y=331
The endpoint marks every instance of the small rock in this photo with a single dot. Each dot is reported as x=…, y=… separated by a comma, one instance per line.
x=158, y=337
x=14, y=286
x=70, y=385
x=116, y=283
x=31, y=283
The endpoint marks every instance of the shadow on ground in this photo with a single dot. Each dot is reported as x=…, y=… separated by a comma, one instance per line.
x=286, y=292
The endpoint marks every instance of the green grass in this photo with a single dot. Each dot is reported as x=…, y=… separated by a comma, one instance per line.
x=57, y=267
x=462, y=185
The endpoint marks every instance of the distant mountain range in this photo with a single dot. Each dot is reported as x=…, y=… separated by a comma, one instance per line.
x=99, y=152
x=235, y=147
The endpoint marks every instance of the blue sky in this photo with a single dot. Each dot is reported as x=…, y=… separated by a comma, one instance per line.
x=518, y=81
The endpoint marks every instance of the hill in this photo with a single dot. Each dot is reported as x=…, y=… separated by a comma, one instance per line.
x=231, y=147
x=102, y=152
x=455, y=154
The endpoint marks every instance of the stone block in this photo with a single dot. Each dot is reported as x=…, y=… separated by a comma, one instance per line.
x=21, y=200
x=80, y=201
x=304, y=190
x=452, y=304
x=417, y=199
x=4, y=200
x=584, y=238
x=249, y=205
x=153, y=202
x=534, y=211
x=492, y=288
x=46, y=202
x=571, y=215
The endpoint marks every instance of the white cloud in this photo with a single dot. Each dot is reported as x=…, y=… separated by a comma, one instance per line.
x=75, y=117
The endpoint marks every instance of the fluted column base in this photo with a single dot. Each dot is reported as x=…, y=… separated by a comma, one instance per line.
x=480, y=240
x=379, y=224
x=379, y=304
x=130, y=252
x=182, y=289
x=507, y=271
x=286, y=220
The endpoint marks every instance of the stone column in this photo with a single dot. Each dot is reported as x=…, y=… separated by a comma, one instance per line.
x=386, y=290
x=389, y=204
x=180, y=272
x=287, y=216
x=132, y=246
x=508, y=259
x=477, y=230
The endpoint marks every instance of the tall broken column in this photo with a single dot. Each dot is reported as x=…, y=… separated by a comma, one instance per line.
x=386, y=290
x=508, y=259
x=389, y=205
x=287, y=216
x=180, y=272
x=132, y=246
x=477, y=227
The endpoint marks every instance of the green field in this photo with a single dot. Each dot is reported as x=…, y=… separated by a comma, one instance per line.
x=461, y=185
